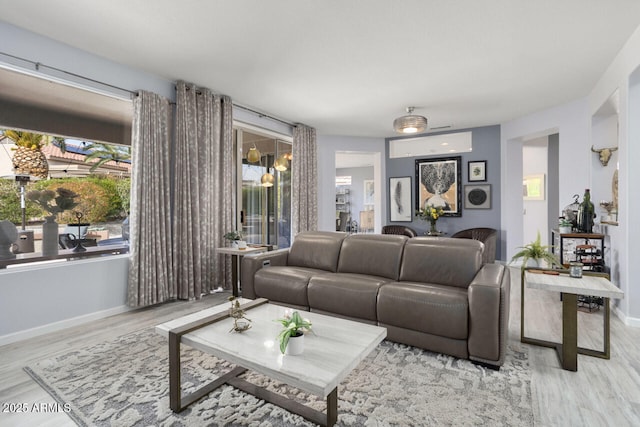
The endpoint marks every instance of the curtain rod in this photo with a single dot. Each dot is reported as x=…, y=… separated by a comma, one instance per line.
x=242, y=107
x=38, y=65
x=261, y=115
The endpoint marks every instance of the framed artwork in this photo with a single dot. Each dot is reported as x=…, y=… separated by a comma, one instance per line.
x=400, y=208
x=438, y=183
x=533, y=187
x=368, y=191
x=477, y=196
x=477, y=171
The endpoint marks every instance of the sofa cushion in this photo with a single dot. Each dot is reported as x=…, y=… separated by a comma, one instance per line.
x=442, y=261
x=284, y=284
x=352, y=295
x=430, y=308
x=372, y=254
x=316, y=249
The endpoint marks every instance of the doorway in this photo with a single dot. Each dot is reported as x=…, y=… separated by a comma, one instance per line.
x=540, y=188
x=358, y=207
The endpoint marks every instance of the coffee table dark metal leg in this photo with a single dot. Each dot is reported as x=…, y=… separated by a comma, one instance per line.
x=329, y=419
x=332, y=407
x=177, y=402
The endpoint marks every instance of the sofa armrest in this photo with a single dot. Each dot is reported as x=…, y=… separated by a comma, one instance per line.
x=252, y=263
x=489, y=314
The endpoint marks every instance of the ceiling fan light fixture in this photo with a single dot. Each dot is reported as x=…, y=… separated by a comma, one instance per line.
x=410, y=123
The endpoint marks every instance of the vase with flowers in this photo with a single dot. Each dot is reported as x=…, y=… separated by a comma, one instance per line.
x=431, y=213
x=53, y=202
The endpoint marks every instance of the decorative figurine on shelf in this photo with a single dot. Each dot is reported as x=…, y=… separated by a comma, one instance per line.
x=237, y=313
x=571, y=211
x=608, y=207
x=586, y=213
x=79, y=247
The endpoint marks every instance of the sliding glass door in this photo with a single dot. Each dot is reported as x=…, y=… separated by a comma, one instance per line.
x=265, y=188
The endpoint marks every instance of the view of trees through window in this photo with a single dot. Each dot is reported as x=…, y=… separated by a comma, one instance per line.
x=98, y=173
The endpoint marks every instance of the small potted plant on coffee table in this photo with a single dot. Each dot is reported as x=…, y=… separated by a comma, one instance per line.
x=291, y=338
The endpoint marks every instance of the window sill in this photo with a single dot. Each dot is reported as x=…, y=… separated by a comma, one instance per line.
x=65, y=254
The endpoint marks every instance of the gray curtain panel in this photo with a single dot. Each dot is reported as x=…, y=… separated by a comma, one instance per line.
x=151, y=268
x=304, y=180
x=204, y=190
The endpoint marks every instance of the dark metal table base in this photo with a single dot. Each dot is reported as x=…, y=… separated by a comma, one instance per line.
x=177, y=402
x=568, y=350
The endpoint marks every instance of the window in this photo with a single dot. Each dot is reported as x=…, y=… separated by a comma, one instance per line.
x=61, y=111
x=459, y=142
x=343, y=180
x=98, y=173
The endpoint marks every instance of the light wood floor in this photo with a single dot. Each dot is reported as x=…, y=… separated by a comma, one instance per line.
x=601, y=393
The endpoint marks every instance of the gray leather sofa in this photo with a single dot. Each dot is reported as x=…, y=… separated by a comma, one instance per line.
x=433, y=293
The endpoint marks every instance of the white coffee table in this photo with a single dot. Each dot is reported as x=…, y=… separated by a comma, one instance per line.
x=335, y=348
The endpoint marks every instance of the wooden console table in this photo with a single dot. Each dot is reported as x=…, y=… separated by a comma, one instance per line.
x=92, y=251
x=596, y=284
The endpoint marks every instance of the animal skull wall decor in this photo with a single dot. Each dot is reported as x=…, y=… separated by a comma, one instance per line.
x=605, y=154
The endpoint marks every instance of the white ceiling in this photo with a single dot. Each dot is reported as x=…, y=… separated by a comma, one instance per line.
x=349, y=67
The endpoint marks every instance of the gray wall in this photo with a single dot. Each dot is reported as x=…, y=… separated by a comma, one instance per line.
x=43, y=298
x=486, y=146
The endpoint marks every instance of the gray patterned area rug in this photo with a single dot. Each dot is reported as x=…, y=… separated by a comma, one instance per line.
x=125, y=383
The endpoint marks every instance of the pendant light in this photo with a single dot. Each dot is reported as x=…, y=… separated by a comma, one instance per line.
x=410, y=123
x=253, y=155
x=267, y=180
x=281, y=164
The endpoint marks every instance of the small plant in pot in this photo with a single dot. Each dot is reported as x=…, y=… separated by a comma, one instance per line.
x=565, y=226
x=291, y=338
x=235, y=237
x=537, y=252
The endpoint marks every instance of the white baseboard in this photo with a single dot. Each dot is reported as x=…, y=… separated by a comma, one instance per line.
x=629, y=321
x=63, y=324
